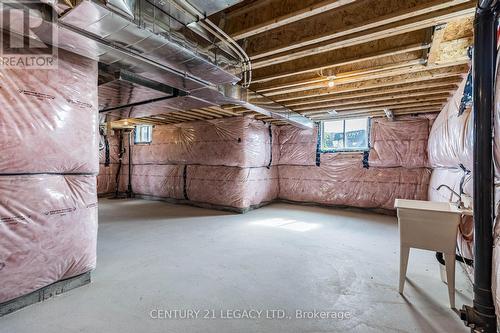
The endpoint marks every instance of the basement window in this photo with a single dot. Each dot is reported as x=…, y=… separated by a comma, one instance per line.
x=143, y=134
x=344, y=135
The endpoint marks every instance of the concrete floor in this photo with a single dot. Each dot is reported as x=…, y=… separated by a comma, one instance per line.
x=156, y=256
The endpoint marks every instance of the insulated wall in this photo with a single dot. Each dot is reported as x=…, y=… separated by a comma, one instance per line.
x=450, y=154
x=48, y=202
x=48, y=118
x=241, y=162
x=342, y=179
x=238, y=141
x=226, y=163
x=297, y=146
x=108, y=163
x=401, y=143
x=451, y=137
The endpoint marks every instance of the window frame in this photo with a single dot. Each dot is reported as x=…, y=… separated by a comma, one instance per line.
x=324, y=149
x=137, y=133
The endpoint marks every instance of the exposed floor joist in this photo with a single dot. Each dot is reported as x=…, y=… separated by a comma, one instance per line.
x=442, y=73
x=313, y=37
x=329, y=59
x=265, y=15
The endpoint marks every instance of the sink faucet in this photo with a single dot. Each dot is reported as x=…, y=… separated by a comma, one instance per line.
x=459, y=201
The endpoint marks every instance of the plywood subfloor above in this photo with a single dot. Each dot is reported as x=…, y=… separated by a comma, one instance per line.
x=330, y=59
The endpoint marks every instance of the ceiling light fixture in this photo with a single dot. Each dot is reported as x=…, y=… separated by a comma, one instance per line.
x=331, y=82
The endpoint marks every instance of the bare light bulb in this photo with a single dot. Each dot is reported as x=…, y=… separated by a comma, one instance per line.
x=331, y=83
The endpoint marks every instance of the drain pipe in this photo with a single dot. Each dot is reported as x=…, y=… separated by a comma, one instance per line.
x=129, y=185
x=481, y=317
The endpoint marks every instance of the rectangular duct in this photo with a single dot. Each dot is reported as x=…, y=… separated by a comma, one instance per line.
x=92, y=30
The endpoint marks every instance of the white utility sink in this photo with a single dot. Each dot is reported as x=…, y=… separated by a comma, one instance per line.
x=430, y=226
x=433, y=206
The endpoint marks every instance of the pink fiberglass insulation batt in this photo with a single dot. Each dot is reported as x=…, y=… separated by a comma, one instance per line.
x=48, y=118
x=163, y=181
x=297, y=146
x=230, y=186
x=217, y=185
x=114, y=149
x=401, y=143
x=342, y=180
x=238, y=141
x=452, y=178
x=48, y=227
x=451, y=138
x=106, y=179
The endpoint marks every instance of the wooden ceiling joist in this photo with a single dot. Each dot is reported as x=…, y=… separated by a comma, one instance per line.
x=264, y=15
x=372, y=50
x=221, y=111
x=403, y=90
x=378, y=113
x=332, y=59
x=306, y=38
x=207, y=113
x=359, y=68
x=441, y=73
x=378, y=105
x=361, y=77
x=386, y=98
x=437, y=39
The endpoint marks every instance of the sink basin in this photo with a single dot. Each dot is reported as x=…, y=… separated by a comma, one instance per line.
x=444, y=207
x=429, y=225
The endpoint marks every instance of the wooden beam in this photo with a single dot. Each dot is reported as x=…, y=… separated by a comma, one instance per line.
x=176, y=116
x=385, y=98
x=207, y=113
x=394, y=104
x=156, y=119
x=437, y=39
x=378, y=113
x=440, y=73
x=372, y=50
x=365, y=35
x=265, y=15
x=197, y=115
x=409, y=108
x=360, y=78
x=398, y=90
x=354, y=18
x=221, y=111
x=357, y=68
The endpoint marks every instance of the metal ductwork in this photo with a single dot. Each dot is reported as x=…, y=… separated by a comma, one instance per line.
x=154, y=35
x=147, y=39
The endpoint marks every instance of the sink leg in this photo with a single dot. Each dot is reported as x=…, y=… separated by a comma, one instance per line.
x=450, y=277
x=403, y=264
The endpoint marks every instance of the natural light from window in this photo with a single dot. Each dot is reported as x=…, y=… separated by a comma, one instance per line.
x=143, y=134
x=289, y=224
x=345, y=135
